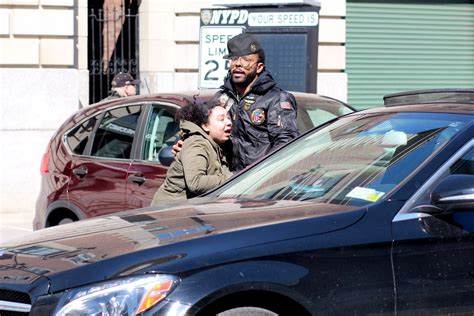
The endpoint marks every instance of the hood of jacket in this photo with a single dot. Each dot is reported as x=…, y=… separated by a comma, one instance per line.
x=189, y=128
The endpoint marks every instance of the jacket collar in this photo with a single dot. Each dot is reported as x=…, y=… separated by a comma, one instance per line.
x=263, y=83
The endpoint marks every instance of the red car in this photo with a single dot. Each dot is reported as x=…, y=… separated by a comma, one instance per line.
x=105, y=157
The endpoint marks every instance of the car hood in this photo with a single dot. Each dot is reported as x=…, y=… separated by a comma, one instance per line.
x=50, y=251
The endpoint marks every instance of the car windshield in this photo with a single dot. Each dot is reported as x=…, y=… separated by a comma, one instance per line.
x=356, y=160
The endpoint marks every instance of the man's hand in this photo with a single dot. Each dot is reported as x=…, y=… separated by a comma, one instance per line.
x=177, y=147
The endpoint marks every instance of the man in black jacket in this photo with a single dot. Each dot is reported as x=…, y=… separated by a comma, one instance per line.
x=263, y=115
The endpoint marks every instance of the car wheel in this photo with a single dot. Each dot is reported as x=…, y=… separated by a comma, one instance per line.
x=66, y=220
x=247, y=311
x=60, y=216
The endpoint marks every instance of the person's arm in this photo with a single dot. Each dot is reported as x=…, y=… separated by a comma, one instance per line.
x=282, y=120
x=195, y=159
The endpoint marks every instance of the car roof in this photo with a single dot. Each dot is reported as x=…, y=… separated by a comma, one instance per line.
x=434, y=107
x=205, y=93
x=184, y=97
x=447, y=95
x=446, y=100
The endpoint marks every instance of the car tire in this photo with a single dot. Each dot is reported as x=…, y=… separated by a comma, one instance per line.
x=65, y=220
x=247, y=311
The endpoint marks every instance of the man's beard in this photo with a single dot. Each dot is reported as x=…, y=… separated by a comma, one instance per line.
x=247, y=80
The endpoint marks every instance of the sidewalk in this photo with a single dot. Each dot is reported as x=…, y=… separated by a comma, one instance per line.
x=7, y=233
x=13, y=225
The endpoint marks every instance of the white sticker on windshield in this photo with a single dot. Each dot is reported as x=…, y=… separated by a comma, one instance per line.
x=365, y=194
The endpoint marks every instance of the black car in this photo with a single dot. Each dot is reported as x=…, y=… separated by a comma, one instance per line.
x=372, y=213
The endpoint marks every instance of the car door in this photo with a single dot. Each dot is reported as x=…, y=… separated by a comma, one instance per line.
x=433, y=254
x=98, y=178
x=147, y=173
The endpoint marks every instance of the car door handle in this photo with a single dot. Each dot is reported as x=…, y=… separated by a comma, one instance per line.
x=136, y=179
x=79, y=172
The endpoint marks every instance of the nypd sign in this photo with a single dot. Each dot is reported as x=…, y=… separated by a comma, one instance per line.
x=219, y=25
x=262, y=19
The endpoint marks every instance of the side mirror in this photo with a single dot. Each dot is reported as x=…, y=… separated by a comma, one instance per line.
x=165, y=156
x=455, y=192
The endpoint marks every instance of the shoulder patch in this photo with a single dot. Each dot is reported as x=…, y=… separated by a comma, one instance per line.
x=258, y=116
x=286, y=105
x=248, y=102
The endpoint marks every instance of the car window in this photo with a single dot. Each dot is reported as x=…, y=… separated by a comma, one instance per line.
x=161, y=131
x=462, y=165
x=314, y=112
x=77, y=138
x=114, y=137
x=319, y=116
x=354, y=161
x=465, y=165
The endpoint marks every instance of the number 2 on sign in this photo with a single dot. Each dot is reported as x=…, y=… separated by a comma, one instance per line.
x=214, y=68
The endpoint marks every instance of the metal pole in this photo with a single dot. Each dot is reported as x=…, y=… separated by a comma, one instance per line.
x=101, y=50
x=93, y=65
x=108, y=56
x=124, y=19
x=115, y=36
x=137, y=50
x=129, y=17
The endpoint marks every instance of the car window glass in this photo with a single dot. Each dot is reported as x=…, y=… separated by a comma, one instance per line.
x=319, y=116
x=350, y=162
x=161, y=131
x=315, y=112
x=114, y=137
x=77, y=138
x=465, y=165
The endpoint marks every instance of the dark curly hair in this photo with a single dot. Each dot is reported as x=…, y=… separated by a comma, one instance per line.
x=197, y=113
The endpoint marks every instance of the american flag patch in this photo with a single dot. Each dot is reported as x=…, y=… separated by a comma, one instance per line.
x=285, y=105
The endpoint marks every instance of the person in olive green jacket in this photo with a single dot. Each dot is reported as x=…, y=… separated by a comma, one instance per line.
x=201, y=164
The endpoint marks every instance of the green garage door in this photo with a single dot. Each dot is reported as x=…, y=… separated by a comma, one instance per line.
x=394, y=46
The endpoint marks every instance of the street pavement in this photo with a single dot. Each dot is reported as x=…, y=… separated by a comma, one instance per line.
x=8, y=233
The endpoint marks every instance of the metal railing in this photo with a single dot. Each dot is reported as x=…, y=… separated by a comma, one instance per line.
x=113, y=48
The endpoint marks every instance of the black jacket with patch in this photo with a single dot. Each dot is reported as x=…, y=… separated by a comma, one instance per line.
x=263, y=119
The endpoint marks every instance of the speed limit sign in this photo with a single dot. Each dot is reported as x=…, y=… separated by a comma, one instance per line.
x=213, y=67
